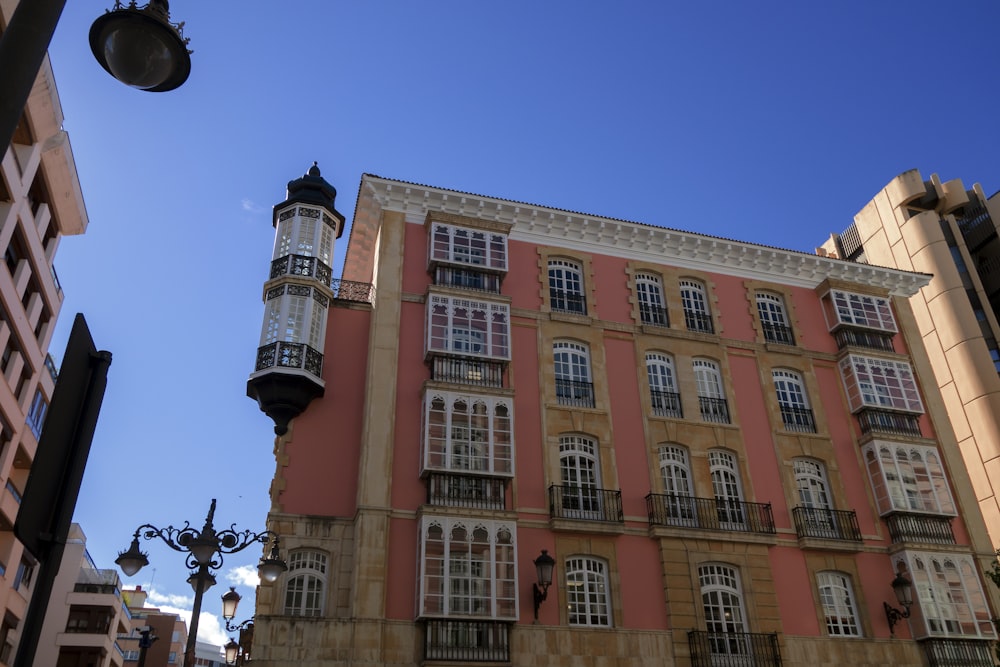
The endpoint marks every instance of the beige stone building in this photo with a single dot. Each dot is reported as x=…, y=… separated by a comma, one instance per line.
x=951, y=232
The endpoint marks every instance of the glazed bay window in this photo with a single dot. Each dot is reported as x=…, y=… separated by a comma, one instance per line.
x=908, y=478
x=862, y=310
x=880, y=383
x=474, y=247
x=468, y=327
x=468, y=433
x=948, y=596
x=467, y=569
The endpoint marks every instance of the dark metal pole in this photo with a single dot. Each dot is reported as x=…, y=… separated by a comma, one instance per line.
x=196, y=612
x=22, y=49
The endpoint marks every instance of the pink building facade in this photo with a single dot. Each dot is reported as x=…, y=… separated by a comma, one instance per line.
x=727, y=450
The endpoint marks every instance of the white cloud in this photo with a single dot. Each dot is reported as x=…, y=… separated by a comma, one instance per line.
x=244, y=575
x=251, y=207
x=158, y=599
x=210, y=627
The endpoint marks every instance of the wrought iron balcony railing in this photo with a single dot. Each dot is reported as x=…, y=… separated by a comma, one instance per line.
x=301, y=265
x=714, y=410
x=668, y=509
x=798, y=419
x=873, y=420
x=478, y=372
x=469, y=279
x=871, y=340
x=733, y=649
x=656, y=316
x=666, y=403
x=587, y=503
x=567, y=302
x=931, y=528
x=290, y=355
x=695, y=321
x=349, y=290
x=456, y=490
x=467, y=641
x=958, y=652
x=571, y=392
x=778, y=333
x=826, y=524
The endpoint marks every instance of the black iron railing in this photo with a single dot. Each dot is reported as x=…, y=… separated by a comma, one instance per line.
x=733, y=649
x=349, y=290
x=871, y=340
x=567, y=302
x=455, y=490
x=290, y=355
x=873, y=420
x=798, y=419
x=695, y=321
x=827, y=524
x=932, y=528
x=668, y=509
x=467, y=641
x=587, y=503
x=301, y=265
x=666, y=403
x=958, y=652
x=654, y=315
x=778, y=333
x=469, y=279
x=714, y=409
x=571, y=392
x=478, y=372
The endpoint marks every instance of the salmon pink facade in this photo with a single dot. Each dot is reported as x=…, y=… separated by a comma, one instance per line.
x=519, y=435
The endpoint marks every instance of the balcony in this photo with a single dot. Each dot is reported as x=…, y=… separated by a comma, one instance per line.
x=826, y=524
x=348, y=290
x=876, y=421
x=714, y=410
x=709, y=513
x=301, y=265
x=469, y=279
x=653, y=315
x=958, y=652
x=586, y=503
x=666, y=403
x=477, y=372
x=869, y=340
x=452, y=490
x=578, y=394
x=467, y=641
x=778, y=333
x=733, y=649
x=290, y=355
x=977, y=227
x=564, y=301
x=798, y=419
x=930, y=528
x=695, y=321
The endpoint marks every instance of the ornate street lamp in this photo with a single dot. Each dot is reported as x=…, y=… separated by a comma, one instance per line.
x=204, y=549
x=544, y=565
x=903, y=589
x=236, y=652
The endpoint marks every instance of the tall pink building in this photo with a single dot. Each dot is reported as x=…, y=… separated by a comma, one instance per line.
x=727, y=453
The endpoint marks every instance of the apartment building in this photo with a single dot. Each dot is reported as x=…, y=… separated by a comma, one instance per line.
x=529, y=436
x=167, y=632
x=40, y=202
x=950, y=232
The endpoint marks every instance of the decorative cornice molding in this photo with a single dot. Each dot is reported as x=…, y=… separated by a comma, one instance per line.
x=546, y=226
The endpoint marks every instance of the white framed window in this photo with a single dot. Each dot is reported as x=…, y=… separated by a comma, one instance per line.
x=566, y=291
x=725, y=474
x=711, y=398
x=572, y=373
x=459, y=245
x=467, y=568
x=793, y=401
x=949, y=597
x=814, y=510
x=722, y=603
x=580, y=477
x=862, y=310
x=662, y=380
x=695, y=303
x=836, y=595
x=295, y=314
x=675, y=471
x=774, y=320
x=880, y=383
x=649, y=291
x=307, y=231
x=305, y=583
x=588, y=594
x=908, y=478
x=468, y=327
x=466, y=432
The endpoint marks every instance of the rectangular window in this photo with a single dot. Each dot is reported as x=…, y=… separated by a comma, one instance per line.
x=880, y=383
x=468, y=327
x=36, y=414
x=908, y=478
x=458, y=245
x=468, y=433
x=862, y=310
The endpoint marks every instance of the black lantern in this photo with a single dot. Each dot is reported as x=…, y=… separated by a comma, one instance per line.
x=903, y=589
x=544, y=565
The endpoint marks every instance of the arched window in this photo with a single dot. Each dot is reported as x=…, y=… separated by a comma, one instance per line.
x=813, y=516
x=572, y=374
x=675, y=471
x=580, y=477
x=696, y=314
x=774, y=319
x=951, y=599
x=464, y=432
x=566, y=287
x=588, y=597
x=650, y=294
x=711, y=399
x=725, y=475
x=305, y=586
x=722, y=602
x=837, y=597
x=663, y=385
x=796, y=415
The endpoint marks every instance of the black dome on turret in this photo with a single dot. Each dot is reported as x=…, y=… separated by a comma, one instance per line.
x=312, y=189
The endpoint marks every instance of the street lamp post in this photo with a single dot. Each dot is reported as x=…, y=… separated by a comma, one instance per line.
x=204, y=549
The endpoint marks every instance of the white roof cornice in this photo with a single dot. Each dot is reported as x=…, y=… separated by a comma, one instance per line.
x=637, y=241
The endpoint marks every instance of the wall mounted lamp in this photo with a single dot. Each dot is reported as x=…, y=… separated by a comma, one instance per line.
x=903, y=589
x=544, y=565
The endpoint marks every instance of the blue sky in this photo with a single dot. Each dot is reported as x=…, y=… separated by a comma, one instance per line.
x=770, y=122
